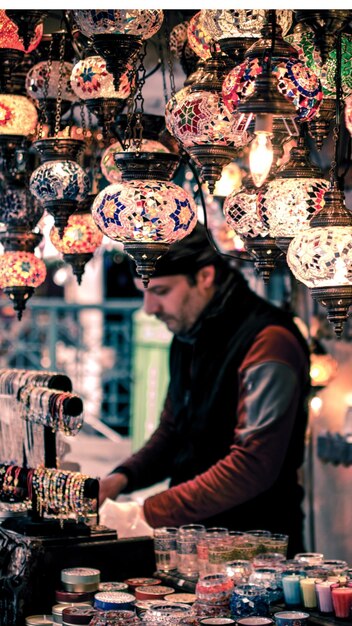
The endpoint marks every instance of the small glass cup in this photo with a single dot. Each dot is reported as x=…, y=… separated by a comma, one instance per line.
x=187, y=559
x=270, y=559
x=165, y=549
x=239, y=571
x=277, y=543
x=261, y=538
x=308, y=591
x=309, y=558
x=249, y=600
x=270, y=579
x=292, y=589
x=243, y=547
x=219, y=553
x=335, y=567
x=212, y=534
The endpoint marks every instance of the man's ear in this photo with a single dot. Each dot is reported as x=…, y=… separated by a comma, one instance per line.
x=206, y=276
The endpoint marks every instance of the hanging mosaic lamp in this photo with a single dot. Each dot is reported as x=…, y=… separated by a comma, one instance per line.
x=20, y=273
x=235, y=29
x=326, y=25
x=27, y=22
x=12, y=47
x=92, y=83
x=146, y=211
x=181, y=50
x=118, y=34
x=38, y=75
x=240, y=209
x=80, y=239
x=309, y=53
x=59, y=183
x=321, y=257
x=199, y=40
x=197, y=117
x=287, y=203
x=290, y=81
x=18, y=209
x=18, y=116
x=108, y=164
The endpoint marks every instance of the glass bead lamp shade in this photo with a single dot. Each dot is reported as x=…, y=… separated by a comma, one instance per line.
x=20, y=273
x=309, y=53
x=90, y=79
x=9, y=37
x=223, y=23
x=295, y=82
x=18, y=209
x=59, y=186
x=59, y=180
x=199, y=39
x=37, y=78
x=18, y=115
x=108, y=166
x=80, y=239
x=286, y=205
x=240, y=209
x=142, y=23
x=321, y=257
x=150, y=214
x=202, y=124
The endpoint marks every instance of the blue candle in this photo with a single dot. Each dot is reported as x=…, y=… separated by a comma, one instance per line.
x=292, y=590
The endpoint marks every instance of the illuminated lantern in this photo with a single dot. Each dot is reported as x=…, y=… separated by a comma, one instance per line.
x=20, y=273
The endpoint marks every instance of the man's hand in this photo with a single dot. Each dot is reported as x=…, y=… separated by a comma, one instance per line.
x=111, y=486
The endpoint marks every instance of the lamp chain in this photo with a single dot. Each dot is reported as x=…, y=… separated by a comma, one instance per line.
x=162, y=62
x=336, y=130
x=139, y=101
x=59, y=85
x=170, y=61
x=135, y=106
x=44, y=101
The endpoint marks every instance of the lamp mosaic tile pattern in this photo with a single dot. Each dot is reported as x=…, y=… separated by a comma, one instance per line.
x=200, y=118
x=81, y=235
x=18, y=115
x=322, y=256
x=90, y=79
x=310, y=55
x=59, y=180
x=9, y=34
x=295, y=81
x=21, y=269
x=17, y=206
x=145, y=211
x=199, y=39
x=221, y=23
x=285, y=206
x=240, y=209
x=143, y=23
x=39, y=75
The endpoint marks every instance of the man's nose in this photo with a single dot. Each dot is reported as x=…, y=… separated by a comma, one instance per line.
x=150, y=304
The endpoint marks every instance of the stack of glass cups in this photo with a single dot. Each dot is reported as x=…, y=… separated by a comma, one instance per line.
x=165, y=549
x=187, y=539
x=220, y=552
x=261, y=539
x=212, y=535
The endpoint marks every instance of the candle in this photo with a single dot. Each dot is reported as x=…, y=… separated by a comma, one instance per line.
x=308, y=593
x=323, y=589
x=342, y=601
x=292, y=589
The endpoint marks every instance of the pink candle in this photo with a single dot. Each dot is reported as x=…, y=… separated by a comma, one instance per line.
x=323, y=589
x=342, y=601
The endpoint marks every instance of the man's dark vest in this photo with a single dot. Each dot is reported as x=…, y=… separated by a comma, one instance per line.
x=204, y=394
